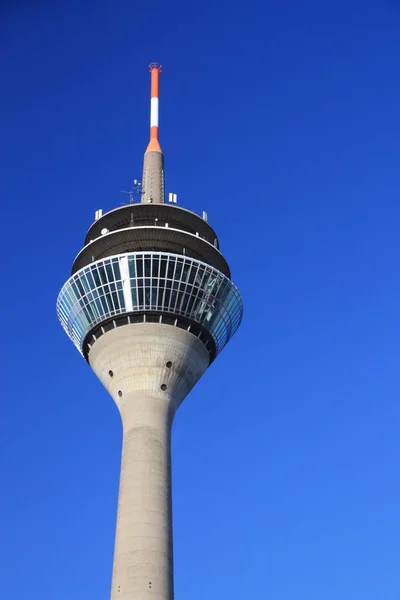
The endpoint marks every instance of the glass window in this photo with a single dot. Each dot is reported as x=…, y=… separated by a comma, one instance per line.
x=84, y=283
x=190, y=305
x=192, y=274
x=102, y=273
x=90, y=279
x=171, y=268
x=166, y=282
x=174, y=296
x=178, y=269
x=185, y=272
x=147, y=267
x=115, y=298
x=182, y=287
x=89, y=313
x=184, y=303
x=117, y=272
x=154, y=298
x=109, y=301
x=96, y=276
x=110, y=273
x=147, y=297
x=139, y=266
x=156, y=264
x=70, y=297
x=99, y=307
x=160, y=299
x=104, y=305
x=132, y=269
x=163, y=268
x=167, y=297
x=140, y=295
x=78, y=289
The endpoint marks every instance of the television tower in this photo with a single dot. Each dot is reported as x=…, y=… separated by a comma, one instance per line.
x=149, y=305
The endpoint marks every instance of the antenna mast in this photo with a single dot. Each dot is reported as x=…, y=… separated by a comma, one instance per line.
x=153, y=164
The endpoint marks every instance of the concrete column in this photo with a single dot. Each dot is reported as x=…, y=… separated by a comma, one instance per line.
x=148, y=368
x=153, y=178
x=143, y=561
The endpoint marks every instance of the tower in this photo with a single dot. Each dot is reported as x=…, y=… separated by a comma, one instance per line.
x=149, y=305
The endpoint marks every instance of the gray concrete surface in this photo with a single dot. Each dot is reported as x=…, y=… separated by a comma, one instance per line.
x=135, y=362
x=153, y=178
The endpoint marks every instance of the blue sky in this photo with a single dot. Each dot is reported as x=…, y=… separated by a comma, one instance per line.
x=281, y=119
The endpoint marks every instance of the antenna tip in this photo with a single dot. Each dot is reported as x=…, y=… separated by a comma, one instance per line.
x=155, y=65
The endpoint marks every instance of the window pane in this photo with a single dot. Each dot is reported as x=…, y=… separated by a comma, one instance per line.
x=192, y=274
x=156, y=264
x=167, y=297
x=104, y=305
x=154, y=298
x=90, y=279
x=178, y=270
x=147, y=297
x=103, y=275
x=185, y=272
x=116, y=269
x=163, y=267
x=110, y=273
x=171, y=268
x=96, y=276
x=132, y=269
x=139, y=266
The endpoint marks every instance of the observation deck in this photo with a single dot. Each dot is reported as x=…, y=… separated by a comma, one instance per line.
x=150, y=263
x=154, y=286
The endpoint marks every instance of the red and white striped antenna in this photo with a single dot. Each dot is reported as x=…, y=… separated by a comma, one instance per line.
x=155, y=70
x=153, y=163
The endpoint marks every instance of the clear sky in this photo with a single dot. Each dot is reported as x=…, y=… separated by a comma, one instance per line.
x=281, y=119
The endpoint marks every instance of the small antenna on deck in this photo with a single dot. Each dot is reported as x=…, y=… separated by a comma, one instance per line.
x=130, y=196
x=136, y=190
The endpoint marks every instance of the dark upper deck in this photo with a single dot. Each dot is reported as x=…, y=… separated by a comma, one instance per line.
x=162, y=227
x=142, y=215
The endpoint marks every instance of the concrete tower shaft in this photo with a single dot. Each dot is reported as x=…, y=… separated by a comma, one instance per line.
x=153, y=177
x=150, y=305
x=148, y=369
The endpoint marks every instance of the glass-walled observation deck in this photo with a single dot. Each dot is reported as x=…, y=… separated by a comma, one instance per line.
x=145, y=282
